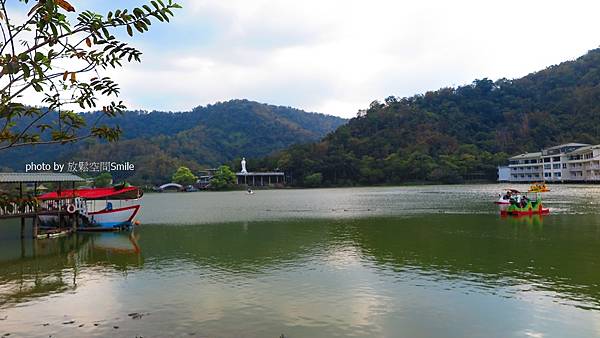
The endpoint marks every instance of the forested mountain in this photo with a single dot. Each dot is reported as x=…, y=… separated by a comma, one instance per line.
x=158, y=142
x=454, y=134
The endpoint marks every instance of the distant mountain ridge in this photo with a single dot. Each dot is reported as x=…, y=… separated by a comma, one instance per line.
x=454, y=134
x=157, y=142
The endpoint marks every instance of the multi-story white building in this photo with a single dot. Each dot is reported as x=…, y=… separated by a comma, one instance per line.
x=571, y=162
x=525, y=167
x=584, y=164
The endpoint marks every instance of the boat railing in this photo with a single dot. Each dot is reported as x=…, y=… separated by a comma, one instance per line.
x=25, y=207
x=62, y=204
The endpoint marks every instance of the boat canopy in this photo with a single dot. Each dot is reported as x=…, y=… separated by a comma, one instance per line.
x=113, y=193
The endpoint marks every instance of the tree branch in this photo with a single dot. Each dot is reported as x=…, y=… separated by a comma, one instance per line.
x=70, y=140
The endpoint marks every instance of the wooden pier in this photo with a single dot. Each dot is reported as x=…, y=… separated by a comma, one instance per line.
x=25, y=207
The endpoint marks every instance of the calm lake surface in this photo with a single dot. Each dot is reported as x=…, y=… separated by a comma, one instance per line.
x=431, y=261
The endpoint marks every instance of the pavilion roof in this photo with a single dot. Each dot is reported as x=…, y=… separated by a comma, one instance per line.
x=39, y=177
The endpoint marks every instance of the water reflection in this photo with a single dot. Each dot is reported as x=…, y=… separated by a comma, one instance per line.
x=488, y=253
x=529, y=220
x=52, y=266
x=425, y=275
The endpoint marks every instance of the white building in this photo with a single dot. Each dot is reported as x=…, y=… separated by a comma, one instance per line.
x=571, y=162
x=525, y=167
x=503, y=174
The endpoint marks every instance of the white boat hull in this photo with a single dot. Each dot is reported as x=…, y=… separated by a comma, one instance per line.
x=103, y=219
x=113, y=218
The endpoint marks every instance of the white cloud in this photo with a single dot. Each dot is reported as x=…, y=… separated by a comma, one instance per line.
x=337, y=56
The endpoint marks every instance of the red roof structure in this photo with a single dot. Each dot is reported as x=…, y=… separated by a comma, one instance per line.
x=125, y=193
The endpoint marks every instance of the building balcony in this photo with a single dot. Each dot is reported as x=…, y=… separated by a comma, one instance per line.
x=515, y=165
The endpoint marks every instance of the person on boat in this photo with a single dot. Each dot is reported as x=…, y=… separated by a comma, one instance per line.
x=109, y=206
x=518, y=199
x=524, y=201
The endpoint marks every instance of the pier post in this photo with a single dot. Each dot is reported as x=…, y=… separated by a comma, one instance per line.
x=35, y=222
x=73, y=220
x=34, y=248
x=61, y=205
x=35, y=226
x=21, y=210
x=22, y=227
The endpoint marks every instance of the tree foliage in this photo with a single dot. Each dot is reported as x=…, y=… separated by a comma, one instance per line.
x=313, y=180
x=184, y=176
x=223, y=178
x=160, y=142
x=103, y=180
x=60, y=57
x=455, y=134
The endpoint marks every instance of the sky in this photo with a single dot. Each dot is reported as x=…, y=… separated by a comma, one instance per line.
x=336, y=57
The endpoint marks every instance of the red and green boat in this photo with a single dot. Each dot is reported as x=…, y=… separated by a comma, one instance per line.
x=522, y=205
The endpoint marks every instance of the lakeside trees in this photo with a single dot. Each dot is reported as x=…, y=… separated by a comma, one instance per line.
x=313, y=180
x=44, y=54
x=184, y=176
x=223, y=178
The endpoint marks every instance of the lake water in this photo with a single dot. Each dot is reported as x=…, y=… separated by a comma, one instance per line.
x=431, y=261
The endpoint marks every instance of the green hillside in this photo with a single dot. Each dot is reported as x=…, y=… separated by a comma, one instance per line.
x=454, y=134
x=158, y=142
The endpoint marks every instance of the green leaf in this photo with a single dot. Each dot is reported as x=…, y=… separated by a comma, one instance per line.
x=39, y=56
x=37, y=87
x=138, y=12
x=26, y=70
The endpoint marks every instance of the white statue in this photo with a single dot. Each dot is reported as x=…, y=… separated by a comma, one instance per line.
x=244, y=171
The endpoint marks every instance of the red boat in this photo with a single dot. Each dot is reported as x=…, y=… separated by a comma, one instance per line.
x=95, y=206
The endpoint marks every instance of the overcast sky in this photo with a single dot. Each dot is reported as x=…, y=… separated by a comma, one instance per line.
x=335, y=57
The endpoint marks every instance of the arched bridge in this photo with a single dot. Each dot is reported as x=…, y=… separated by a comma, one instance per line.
x=170, y=186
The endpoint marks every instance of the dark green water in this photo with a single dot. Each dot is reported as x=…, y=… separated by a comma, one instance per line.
x=377, y=262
